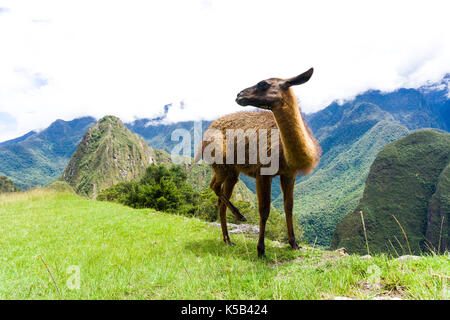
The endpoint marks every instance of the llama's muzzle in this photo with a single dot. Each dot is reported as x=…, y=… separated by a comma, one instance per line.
x=242, y=101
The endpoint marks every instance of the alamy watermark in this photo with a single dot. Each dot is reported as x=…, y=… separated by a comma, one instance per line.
x=74, y=280
x=234, y=146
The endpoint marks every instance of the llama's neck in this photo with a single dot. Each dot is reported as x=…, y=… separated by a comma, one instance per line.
x=300, y=150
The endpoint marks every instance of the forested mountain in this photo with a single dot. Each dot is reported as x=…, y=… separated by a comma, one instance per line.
x=37, y=158
x=407, y=188
x=108, y=153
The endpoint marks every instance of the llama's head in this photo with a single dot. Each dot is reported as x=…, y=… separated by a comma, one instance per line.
x=271, y=93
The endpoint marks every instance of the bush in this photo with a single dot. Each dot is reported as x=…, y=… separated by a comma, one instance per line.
x=6, y=185
x=160, y=188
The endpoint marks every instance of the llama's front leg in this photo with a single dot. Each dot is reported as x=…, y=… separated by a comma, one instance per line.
x=287, y=186
x=263, y=184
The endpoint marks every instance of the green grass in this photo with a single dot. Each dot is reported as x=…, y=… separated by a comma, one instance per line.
x=125, y=253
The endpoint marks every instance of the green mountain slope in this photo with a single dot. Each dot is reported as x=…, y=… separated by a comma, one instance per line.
x=438, y=227
x=335, y=189
x=108, y=153
x=38, y=158
x=401, y=183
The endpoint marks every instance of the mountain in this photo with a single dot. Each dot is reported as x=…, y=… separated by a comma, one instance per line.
x=37, y=158
x=19, y=139
x=351, y=134
x=108, y=153
x=159, y=135
x=408, y=181
x=7, y=185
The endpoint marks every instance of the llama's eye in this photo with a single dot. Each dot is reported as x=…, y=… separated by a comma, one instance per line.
x=263, y=85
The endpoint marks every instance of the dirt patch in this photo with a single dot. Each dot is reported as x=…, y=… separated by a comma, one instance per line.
x=378, y=291
x=238, y=228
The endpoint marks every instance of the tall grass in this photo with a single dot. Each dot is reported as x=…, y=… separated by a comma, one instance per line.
x=404, y=234
x=365, y=232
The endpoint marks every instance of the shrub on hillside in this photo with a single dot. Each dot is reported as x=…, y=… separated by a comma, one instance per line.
x=160, y=188
x=6, y=185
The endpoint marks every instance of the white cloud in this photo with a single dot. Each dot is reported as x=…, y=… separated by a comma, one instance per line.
x=130, y=58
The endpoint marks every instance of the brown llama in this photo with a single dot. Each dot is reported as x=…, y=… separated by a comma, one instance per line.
x=298, y=151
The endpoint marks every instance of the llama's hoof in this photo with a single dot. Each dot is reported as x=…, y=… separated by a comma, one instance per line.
x=294, y=245
x=261, y=251
x=241, y=218
x=238, y=214
x=228, y=242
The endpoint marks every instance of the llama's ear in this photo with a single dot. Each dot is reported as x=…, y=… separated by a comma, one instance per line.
x=300, y=79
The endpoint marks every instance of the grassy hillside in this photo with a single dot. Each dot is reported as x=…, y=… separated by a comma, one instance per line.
x=60, y=186
x=401, y=183
x=123, y=253
x=109, y=153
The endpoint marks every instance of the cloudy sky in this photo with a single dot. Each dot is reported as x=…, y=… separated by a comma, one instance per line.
x=65, y=59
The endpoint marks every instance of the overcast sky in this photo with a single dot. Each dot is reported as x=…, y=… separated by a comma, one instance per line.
x=65, y=59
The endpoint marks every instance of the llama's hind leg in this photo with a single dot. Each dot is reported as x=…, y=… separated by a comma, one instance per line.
x=216, y=186
x=232, y=208
x=233, y=179
x=227, y=191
